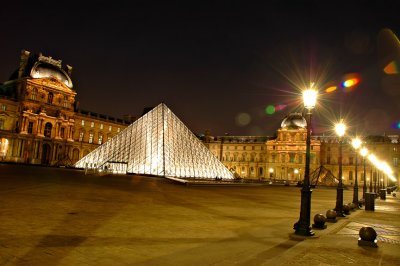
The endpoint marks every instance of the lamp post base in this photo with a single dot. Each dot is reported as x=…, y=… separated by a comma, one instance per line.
x=303, y=231
x=339, y=202
x=302, y=227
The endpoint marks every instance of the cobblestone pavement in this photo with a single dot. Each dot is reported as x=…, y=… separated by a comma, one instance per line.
x=53, y=216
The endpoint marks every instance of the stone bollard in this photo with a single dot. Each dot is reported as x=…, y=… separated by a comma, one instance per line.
x=353, y=206
x=331, y=216
x=319, y=221
x=346, y=209
x=367, y=237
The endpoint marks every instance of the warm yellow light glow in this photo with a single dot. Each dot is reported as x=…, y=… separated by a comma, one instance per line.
x=340, y=129
x=310, y=98
x=364, y=152
x=372, y=158
x=271, y=170
x=296, y=171
x=356, y=143
x=330, y=89
x=392, y=178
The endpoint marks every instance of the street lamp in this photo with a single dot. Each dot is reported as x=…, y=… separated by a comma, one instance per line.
x=296, y=173
x=271, y=173
x=364, y=152
x=302, y=227
x=340, y=129
x=356, y=145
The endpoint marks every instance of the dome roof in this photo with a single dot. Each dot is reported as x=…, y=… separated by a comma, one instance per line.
x=294, y=121
x=45, y=70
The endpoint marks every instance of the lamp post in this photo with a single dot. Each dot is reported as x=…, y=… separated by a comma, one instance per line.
x=340, y=129
x=296, y=174
x=374, y=162
x=356, y=144
x=364, y=152
x=302, y=227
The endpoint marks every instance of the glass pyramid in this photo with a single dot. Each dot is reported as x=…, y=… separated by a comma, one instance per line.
x=158, y=143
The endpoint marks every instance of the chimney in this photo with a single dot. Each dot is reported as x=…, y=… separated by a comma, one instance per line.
x=68, y=69
x=23, y=62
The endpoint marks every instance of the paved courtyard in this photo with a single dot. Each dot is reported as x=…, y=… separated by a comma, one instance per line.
x=55, y=216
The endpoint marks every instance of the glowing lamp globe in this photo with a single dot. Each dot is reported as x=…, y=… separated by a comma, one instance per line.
x=364, y=152
x=356, y=143
x=310, y=98
x=340, y=129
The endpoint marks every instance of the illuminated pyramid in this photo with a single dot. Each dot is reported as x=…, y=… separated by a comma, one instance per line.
x=158, y=144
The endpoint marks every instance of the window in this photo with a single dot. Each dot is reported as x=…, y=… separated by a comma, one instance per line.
x=100, y=139
x=261, y=171
x=1, y=124
x=65, y=102
x=291, y=157
x=50, y=98
x=101, y=126
x=244, y=148
x=81, y=135
x=34, y=94
x=109, y=128
x=253, y=148
x=395, y=149
x=351, y=160
x=47, y=130
x=396, y=161
x=30, y=127
x=83, y=122
x=92, y=124
x=90, y=137
x=62, y=132
x=3, y=107
x=118, y=130
x=350, y=175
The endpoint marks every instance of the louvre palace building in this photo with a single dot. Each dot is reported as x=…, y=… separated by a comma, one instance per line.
x=41, y=123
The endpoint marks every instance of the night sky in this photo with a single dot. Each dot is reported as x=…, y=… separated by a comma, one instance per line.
x=218, y=64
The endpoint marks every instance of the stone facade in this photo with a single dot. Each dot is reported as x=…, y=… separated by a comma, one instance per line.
x=281, y=158
x=39, y=119
x=40, y=123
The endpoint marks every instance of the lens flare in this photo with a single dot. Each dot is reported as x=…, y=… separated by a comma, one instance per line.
x=330, y=89
x=243, y=119
x=396, y=125
x=270, y=110
x=350, y=83
x=280, y=107
x=392, y=68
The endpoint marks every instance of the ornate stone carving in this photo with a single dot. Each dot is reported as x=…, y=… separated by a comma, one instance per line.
x=49, y=60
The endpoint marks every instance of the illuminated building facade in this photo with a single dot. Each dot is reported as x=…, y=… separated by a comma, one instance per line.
x=39, y=119
x=282, y=157
x=41, y=123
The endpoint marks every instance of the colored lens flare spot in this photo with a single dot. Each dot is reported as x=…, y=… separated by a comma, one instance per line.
x=243, y=119
x=270, y=109
x=392, y=68
x=330, y=89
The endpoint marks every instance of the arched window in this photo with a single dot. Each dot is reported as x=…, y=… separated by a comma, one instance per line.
x=261, y=171
x=50, y=98
x=47, y=129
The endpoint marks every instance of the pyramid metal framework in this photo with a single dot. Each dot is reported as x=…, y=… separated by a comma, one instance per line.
x=158, y=143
